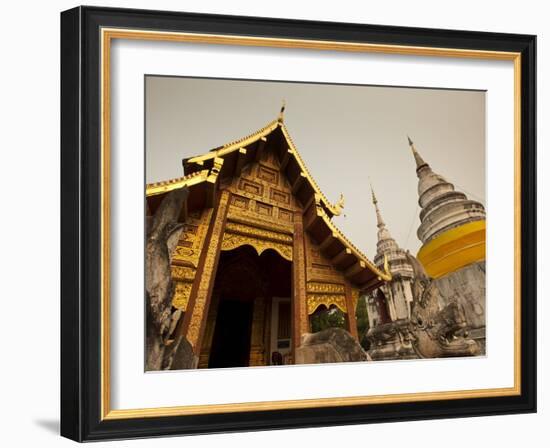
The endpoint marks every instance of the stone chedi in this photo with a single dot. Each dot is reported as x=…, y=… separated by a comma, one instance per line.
x=393, y=298
x=452, y=230
x=452, y=227
x=391, y=302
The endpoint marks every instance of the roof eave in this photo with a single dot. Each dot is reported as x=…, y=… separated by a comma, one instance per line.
x=190, y=180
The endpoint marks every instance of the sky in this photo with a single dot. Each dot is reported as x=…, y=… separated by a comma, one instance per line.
x=348, y=135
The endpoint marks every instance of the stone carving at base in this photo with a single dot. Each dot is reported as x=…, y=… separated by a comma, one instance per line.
x=431, y=332
x=328, y=346
x=163, y=352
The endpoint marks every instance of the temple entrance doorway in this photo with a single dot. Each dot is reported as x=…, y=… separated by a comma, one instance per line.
x=231, y=342
x=239, y=326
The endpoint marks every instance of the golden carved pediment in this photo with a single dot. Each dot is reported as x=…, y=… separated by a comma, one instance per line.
x=232, y=241
x=314, y=301
x=238, y=234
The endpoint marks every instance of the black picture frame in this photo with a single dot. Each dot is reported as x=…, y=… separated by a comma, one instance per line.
x=81, y=224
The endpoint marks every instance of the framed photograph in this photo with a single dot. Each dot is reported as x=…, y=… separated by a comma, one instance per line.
x=272, y=223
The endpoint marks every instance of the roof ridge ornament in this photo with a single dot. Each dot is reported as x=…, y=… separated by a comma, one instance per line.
x=282, y=112
x=339, y=205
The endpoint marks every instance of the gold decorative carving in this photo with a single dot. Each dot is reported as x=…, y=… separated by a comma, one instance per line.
x=181, y=295
x=299, y=280
x=279, y=196
x=237, y=234
x=183, y=253
x=182, y=273
x=240, y=201
x=325, y=288
x=314, y=301
x=208, y=273
x=268, y=174
x=251, y=187
x=264, y=209
x=232, y=241
x=319, y=269
x=189, y=247
x=246, y=218
x=285, y=215
x=247, y=230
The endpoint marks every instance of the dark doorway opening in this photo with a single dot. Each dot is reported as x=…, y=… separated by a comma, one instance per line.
x=231, y=342
x=382, y=306
x=238, y=332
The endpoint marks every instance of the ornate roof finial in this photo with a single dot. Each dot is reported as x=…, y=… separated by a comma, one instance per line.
x=379, y=221
x=282, y=111
x=339, y=205
x=418, y=159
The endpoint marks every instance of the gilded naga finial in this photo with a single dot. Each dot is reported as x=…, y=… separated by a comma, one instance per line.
x=339, y=205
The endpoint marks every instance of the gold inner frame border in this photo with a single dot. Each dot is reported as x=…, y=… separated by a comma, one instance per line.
x=107, y=36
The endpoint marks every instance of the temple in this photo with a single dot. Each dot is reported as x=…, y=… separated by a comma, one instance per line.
x=259, y=253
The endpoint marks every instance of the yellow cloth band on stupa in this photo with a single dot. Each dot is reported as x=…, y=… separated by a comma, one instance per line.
x=454, y=249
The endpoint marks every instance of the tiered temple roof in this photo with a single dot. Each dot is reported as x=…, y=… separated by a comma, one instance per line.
x=205, y=173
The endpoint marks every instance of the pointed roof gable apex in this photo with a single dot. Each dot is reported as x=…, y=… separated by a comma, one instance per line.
x=200, y=162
